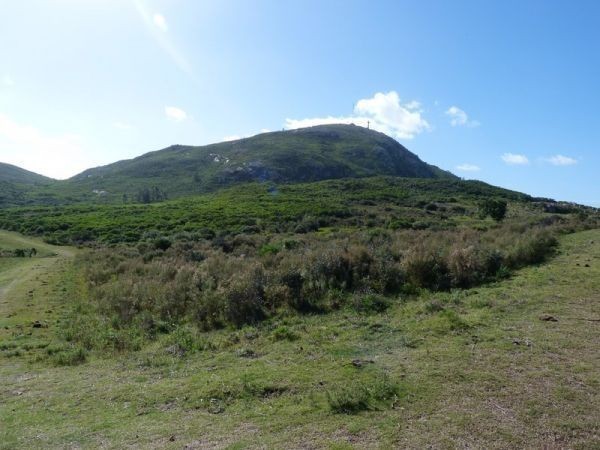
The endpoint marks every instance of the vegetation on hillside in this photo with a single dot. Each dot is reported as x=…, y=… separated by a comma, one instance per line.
x=304, y=155
x=384, y=202
x=14, y=174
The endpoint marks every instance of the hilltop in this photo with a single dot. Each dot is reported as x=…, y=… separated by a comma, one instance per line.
x=309, y=154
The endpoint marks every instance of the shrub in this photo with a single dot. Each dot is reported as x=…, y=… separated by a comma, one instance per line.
x=453, y=321
x=279, y=295
x=496, y=209
x=420, y=225
x=466, y=266
x=363, y=396
x=331, y=269
x=306, y=225
x=494, y=262
x=371, y=303
x=434, y=306
x=72, y=356
x=426, y=269
x=162, y=243
x=269, y=249
x=397, y=224
x=531, y=248
x=208, y=310
x=244, y=297
x=283, y=333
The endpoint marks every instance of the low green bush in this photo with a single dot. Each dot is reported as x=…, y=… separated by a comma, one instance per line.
x=283, y=333
x=371, y=303
x=69, y=356
x=375, y=393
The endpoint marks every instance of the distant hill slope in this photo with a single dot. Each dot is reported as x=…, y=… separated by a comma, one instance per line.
x=14, y=174
x=17, y=185
x=303, y=155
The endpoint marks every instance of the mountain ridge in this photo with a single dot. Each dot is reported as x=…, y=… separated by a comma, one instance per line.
x=303, y=155
x=307, y=154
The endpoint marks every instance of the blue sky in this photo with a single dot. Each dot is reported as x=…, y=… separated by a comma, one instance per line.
x=505, y=91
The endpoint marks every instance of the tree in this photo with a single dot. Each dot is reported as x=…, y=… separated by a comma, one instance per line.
x=154, y=194
x=496, y=209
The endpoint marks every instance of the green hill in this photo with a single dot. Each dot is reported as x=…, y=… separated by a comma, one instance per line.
x=283, y=157
x=14, y=174
x=304, y=155
x=17, y=185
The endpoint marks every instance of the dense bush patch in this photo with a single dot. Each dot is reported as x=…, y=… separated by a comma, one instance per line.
x=137, y=293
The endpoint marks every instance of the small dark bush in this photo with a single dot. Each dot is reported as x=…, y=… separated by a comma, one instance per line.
x=244, y=296
x=162, y=244
x=425, y=269
x=307, y=225
x=496, y=209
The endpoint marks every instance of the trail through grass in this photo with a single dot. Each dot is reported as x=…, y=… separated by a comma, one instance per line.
x=511, y=365
x=26, y=285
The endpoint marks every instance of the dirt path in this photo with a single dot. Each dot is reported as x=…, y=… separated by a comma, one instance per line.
x=26, y=283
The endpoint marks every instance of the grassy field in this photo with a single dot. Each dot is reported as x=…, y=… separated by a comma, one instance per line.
x=510, y=365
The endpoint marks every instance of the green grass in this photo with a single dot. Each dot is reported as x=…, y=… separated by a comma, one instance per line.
x=480, y=371
x=31, y=289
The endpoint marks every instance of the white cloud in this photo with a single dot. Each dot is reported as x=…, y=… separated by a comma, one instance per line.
x=23, y=145
x=160, y=21
x=8, y=81
x=560, y=160
x=468, y=168
x=412, y=105
x=383, y=112
x=459, y=118
x=175, y=113
x=123, y=126
x=515, y=159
